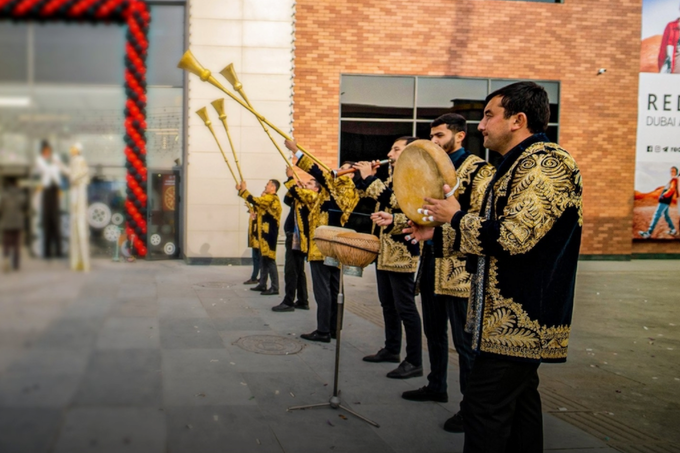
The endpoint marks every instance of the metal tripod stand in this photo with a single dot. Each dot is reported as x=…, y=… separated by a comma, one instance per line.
x=334, y=402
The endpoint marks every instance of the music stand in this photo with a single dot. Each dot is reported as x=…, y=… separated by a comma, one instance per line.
x=334, y=401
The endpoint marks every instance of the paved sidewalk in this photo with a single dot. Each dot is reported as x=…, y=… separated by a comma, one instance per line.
x=142, y=358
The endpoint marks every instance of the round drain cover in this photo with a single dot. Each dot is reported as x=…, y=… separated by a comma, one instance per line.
x=213, y=285
x=269, y=344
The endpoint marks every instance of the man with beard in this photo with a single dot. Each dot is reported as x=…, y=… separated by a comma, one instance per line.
x=444, y=281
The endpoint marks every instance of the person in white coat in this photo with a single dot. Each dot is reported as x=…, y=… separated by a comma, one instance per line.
x=79, y=177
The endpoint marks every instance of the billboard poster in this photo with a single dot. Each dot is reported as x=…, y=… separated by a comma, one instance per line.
x=655, y=210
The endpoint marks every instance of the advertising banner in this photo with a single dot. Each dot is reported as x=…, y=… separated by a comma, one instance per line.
x=655, y=211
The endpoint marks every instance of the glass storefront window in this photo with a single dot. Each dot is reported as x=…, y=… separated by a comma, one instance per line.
x=437, y=96
x=377, y=97
x=13, y=42
x=367, y=131
x=76, y=94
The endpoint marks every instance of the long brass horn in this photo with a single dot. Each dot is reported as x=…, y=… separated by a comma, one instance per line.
x=189, y=63
x=203, y=113
x=230, y=74
x=218, y=104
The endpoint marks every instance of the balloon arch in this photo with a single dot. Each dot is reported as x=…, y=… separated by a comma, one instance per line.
x=135, y=14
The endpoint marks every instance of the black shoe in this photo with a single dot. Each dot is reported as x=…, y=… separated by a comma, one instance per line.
x=382, y=356
x=270, y=292
x=283, y=307
x=334, y=335
x=425, y=394
x=300, y=306
x=258, y=288
x=405, y=370
x=316, y=336
x=454, y=424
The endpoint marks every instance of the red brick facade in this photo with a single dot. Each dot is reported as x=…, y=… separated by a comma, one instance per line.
x=496, y=39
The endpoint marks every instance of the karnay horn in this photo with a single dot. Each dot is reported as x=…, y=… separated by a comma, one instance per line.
x=189, y=63
x=230, y=74
x=203, y=113
x=218, y=104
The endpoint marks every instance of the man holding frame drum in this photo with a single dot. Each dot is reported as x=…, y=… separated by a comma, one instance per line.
x=524, y=244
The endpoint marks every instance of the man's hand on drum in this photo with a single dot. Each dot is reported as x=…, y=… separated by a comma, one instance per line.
x=382, y=218
x=365, y=169
x=416, y=233
x=440, y=210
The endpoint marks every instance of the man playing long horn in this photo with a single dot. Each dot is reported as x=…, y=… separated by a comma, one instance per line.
x=336, y=199
x=268, y=209
x=296, y=228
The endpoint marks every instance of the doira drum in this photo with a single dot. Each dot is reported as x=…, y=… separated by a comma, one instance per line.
x=355, y=251
x=421, y=171
x=323, y=237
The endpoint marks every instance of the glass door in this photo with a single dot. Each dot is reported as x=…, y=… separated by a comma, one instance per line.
x=162, y=214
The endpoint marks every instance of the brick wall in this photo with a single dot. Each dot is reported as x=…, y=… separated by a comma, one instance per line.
x=483, y=38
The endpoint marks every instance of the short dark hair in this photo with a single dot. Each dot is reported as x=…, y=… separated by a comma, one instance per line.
x=676, y=169
x=525, y=97
x=276, y=183
x=453, y=121
x=316, y=183
x=407, y=139
x=44, y=144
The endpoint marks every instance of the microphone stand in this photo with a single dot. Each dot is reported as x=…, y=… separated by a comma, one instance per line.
x=334, y=402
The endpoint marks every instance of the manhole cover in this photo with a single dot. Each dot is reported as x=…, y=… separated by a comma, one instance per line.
x=213, y=285
x=269, y=344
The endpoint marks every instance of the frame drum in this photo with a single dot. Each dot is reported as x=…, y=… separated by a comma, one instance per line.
x=421, y=171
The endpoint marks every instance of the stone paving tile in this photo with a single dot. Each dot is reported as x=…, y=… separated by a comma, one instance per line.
x=30, y=390
x=247, y=323
x=324, y=430
x=45, y=362
x=217, y=307
x=122, y=378
x=220, y=429
x=189, y=333
x=562, y=435
x=92, y=307
x=70, y=333
x=135, y=308
x=112, y=430
x=24, y=430
x=129, y=333
x=181, y=307
x=203, y=377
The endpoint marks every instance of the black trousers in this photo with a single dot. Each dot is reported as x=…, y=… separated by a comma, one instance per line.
x=396, y=291
x=10, y=246
x=502, y=407
x=51, y=222
x=294, y=274
x=255, y=253
x=438, y=312
x=326, y=285
x=268, y=269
